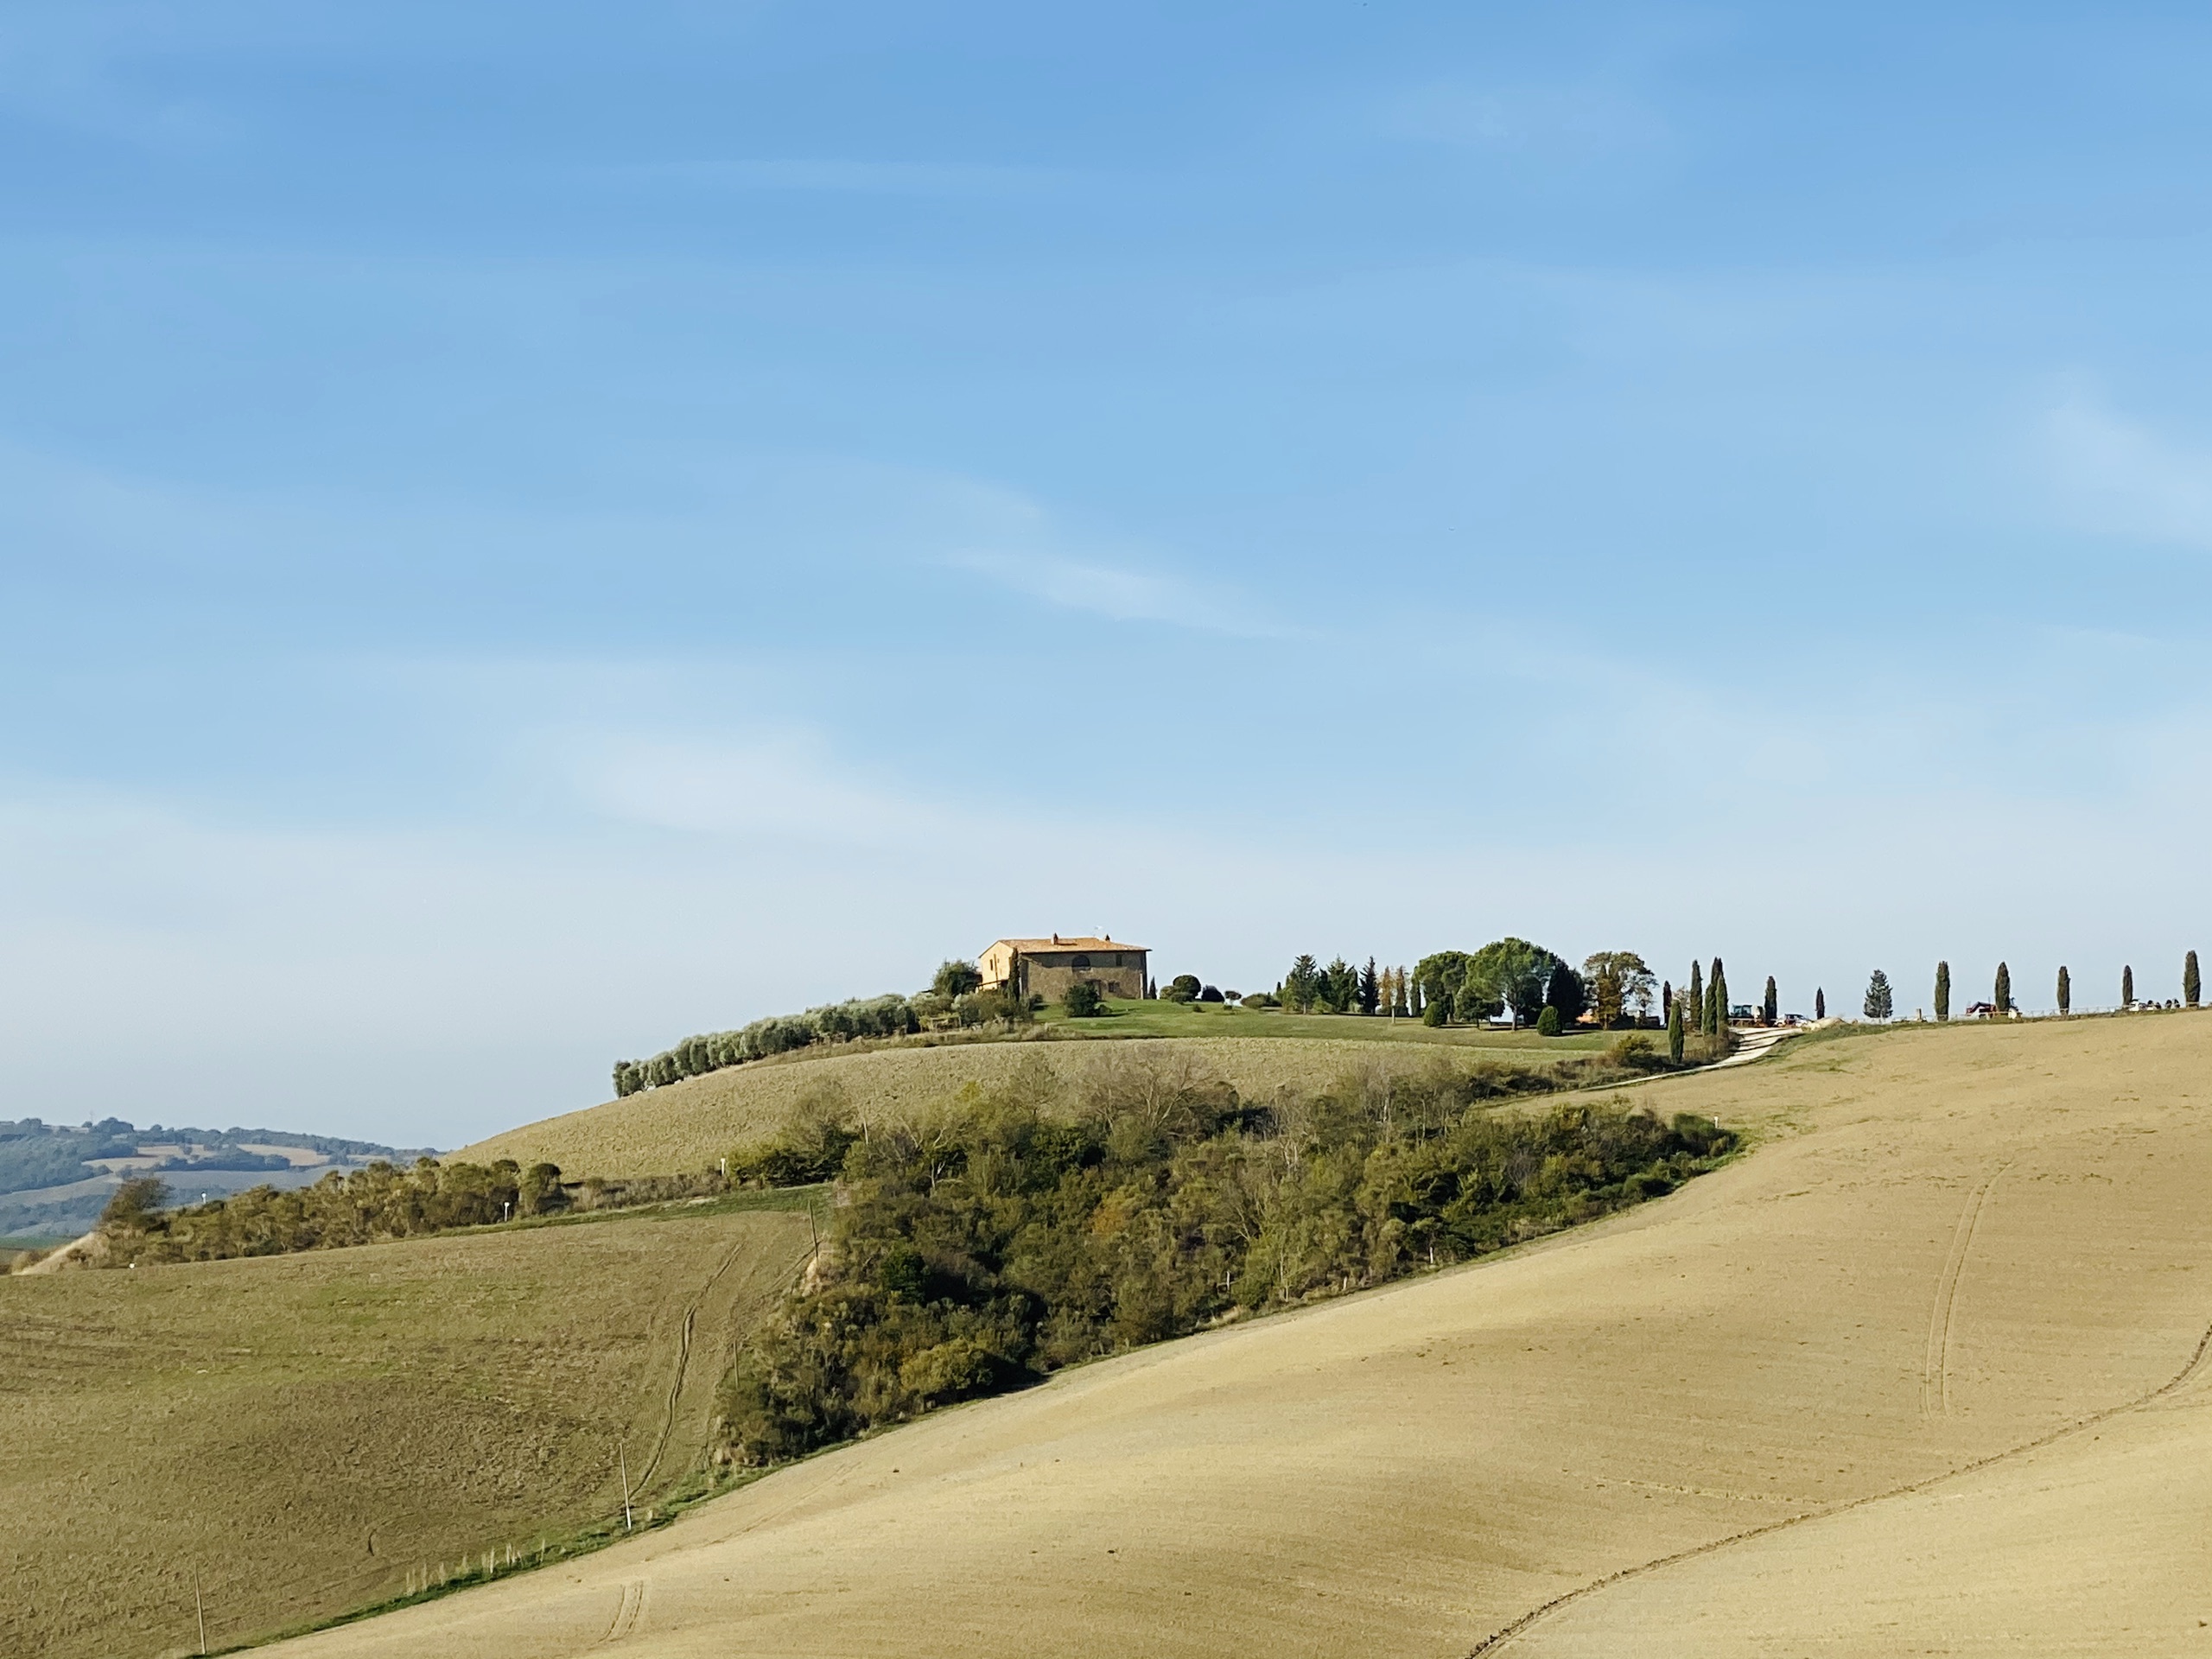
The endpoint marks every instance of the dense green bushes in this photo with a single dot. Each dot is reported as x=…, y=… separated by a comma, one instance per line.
x=366, y=1207
x=1018, y=1231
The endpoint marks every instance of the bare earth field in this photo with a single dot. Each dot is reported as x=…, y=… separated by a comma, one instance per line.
x=306, y=1431
x=1923, y=1373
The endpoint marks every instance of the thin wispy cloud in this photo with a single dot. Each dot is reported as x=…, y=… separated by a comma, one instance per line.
x=1124, y=594
x=2121, y=477
x=835, y=176
x=1567, y=119
x=779, y=787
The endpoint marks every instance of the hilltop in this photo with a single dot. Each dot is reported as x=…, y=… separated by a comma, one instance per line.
x=1922, y=1371
x=690, y=1124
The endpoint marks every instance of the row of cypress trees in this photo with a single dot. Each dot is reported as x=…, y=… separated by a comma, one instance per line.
x=2192, y=987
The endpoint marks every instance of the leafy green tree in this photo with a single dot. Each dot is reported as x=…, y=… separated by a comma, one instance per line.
x=2002, y=996
x=1368, y=991
x=1770, y=1006
x=1548, y=1022
x=1673, y=1030
x=1618, y=980
x=2191, y=987
x=1084, y=1001
x=540, y=1192
x=1881, y=1001
x=2127, y=986
x=1417, y=1007
x=956, y=978
x=1942, y=990
x=1438, y=978
x=2065, y=990
x=1507, y=973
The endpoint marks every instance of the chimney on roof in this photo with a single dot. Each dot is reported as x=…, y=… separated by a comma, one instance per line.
x=1056, y=938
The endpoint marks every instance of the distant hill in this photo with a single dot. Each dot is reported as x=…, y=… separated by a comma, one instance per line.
x=55, y=1178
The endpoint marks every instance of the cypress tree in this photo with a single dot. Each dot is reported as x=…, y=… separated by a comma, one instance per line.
x=2003, y=997
x=2127, y=986
x=1819, y=1003
x=1718, y=980
x=2191, y=985
x=1673, y=1030
x=1666, y=993
x=1942, y=990
x=1697, y=1009
x=1770, y=1006
x=2065, y=990
x=1414, y=1009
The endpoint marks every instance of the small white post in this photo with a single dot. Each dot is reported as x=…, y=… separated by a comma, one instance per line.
x=199, y=1610
x=623, y=1460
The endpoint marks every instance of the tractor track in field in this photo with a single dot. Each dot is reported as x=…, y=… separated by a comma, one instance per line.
x=1497, y=1640
x=1936, y=1372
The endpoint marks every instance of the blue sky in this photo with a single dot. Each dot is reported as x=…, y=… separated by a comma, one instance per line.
x=528, y=531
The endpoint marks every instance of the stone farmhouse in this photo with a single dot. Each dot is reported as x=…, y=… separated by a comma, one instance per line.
x=1047, y=968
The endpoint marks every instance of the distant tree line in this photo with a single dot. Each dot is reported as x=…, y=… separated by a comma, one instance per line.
x=1022, y=1231
x=953, y=999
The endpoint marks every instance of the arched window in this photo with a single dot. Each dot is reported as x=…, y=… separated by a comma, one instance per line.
x=1081, y=964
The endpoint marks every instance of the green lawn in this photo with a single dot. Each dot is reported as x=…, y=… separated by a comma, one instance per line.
x=1224, y=1020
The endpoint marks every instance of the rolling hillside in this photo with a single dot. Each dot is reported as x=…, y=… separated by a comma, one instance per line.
x=1924, y=1372
x=307, y=1433
x=688, y=1125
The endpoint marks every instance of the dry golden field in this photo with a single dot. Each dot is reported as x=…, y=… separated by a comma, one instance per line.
x=304, y=1432
x=688, y=1125
x=1925, y=1372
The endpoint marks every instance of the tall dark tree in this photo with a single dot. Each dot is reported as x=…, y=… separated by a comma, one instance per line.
x=1942, y=990
x=1771, y=1005
x=1673, y=1030
x=1339, y=985
x=2127, y=986
x=1819, y=1003
x=2191, y=987
x=2065, y=990
x=1697, y=995
x=2003, y=995
x=1567, y=991
x=1716, y=997
x=1881, y=1001
x=1370, y=989
x=1666, y=993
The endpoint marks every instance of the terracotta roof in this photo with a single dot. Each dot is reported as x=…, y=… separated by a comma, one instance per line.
x=1068, y=942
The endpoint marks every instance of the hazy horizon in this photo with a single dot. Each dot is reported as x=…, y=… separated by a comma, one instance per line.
x=530, y=534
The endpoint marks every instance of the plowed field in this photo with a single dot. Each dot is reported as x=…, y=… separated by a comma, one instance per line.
x=1922, y=1373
